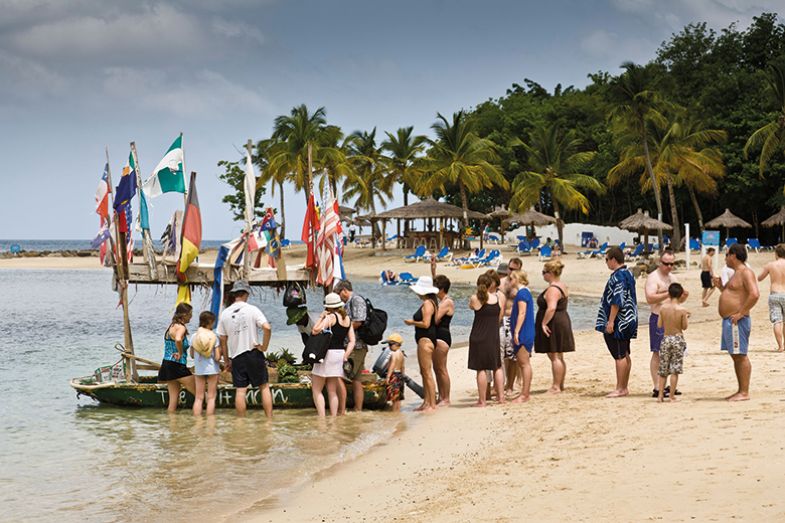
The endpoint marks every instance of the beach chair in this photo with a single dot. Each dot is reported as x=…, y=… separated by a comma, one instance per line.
x=444, y=255
x=386, y=281
x=493, y=256
x=636, y=253
x=535, y=243
x=729, y=242
x=599, y=252
x=406, y=278
x=695, y=244
x=469, y=261
x=416, y=256
x=545, y=253
x=494, y=238
x=754, y=243
x=524, y=247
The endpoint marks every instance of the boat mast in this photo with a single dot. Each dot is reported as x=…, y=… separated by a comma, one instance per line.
x=248, y=213
x=121, y=275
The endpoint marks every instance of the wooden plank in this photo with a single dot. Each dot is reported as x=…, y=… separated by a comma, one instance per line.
x=202, y=274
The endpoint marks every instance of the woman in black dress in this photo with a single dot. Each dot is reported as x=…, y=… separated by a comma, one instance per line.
x=553, y=328
x=424, y=323
x=484, y=352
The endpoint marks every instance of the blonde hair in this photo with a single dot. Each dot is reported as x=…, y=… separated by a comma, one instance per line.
x=520, y=276
x=554, y=267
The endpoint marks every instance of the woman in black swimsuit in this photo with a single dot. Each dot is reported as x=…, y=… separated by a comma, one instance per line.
x=424, y=323
x=444, y=314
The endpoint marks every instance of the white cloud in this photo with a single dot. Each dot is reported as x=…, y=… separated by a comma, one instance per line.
x=614, y=49
x=21, y=78
x=203, y=94
x=240, y=30
x=633, y=6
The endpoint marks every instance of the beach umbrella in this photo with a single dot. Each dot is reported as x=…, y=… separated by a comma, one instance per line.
x=500, y=212
x=727, y=220
x=777, y=219
x=531, y=218
x=643, y=223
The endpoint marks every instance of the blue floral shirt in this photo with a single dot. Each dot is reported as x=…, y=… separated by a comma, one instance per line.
x=620, y=291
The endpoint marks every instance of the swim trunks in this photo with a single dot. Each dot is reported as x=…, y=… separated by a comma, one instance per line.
x=249, y=368
x=777, y=307
x=672, y=355
x=619, y=348
x=706, y=282
x=505, y=336
x=655, y=333
x=745, y=326
x=395, y=386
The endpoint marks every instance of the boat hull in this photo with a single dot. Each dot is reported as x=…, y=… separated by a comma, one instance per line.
x=155, y=395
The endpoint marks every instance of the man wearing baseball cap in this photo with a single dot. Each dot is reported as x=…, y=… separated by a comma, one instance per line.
x=238, y=331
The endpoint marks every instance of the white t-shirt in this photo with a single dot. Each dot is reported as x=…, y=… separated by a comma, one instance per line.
x=240, y=323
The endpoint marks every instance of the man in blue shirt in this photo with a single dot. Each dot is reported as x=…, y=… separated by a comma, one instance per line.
x=617, y=318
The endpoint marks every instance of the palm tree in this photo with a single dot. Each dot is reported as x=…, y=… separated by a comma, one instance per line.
x=554, y=164
x=403, y=149
x=771, y=137
x=336, y=166
x=371, y=181
x=459, y=157
x=261, y=159
x=680, y=155
x=635, y=104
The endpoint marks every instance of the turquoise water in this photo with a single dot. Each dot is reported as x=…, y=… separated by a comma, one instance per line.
x=72, y=459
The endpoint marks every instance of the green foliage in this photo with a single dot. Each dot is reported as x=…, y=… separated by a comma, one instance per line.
x=287, y=373
x=234, y=175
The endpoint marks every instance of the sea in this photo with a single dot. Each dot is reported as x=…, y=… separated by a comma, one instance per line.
x=71, y=459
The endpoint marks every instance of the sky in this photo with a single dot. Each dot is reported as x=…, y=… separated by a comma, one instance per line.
x=77, y=76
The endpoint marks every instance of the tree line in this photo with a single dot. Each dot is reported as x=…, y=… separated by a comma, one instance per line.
x=698, y=129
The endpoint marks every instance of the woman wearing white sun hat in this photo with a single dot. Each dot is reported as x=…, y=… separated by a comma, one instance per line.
x=330, y=371
x=424, y=323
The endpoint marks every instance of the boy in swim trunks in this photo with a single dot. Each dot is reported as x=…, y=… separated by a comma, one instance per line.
x=395, y=371
x=673, y=321
x=707, y=275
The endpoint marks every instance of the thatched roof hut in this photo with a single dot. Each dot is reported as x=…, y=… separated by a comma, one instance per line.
x=642, y=220
x=531, y=217
x=428, y=208
x=727, y=220
x=776, y=219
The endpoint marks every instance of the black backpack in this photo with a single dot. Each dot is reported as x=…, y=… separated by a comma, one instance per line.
x=372, y=330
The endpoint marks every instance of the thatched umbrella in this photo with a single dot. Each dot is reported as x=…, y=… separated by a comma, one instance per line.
x=532, y=218
x=429, y=208
x=643, y=223
x=727, y=220
x=777, y=219
x=500, y=212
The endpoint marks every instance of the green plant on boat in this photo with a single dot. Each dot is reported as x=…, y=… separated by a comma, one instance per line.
x=287, y=373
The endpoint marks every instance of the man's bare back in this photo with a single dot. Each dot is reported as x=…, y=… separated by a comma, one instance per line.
x=706, y=264
x=673, y=317
x=775, y=270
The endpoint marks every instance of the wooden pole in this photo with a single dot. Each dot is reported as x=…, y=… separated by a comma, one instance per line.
x=185, y=194
x=121, y=271
x=148, y=254
x=247, y=254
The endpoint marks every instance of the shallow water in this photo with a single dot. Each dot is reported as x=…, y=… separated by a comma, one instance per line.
x=71, y=459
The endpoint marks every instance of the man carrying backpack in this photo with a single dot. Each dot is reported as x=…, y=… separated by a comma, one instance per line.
x=358, y=312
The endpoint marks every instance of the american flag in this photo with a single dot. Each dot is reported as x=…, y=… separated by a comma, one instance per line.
x=325, y=243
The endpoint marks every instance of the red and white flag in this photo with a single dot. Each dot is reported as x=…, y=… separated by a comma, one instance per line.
x=325, y=243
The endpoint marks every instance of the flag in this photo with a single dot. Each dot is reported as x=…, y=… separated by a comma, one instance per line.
x=325, y=245
x=249, y=188
x=168, y=174
x=101, y=237
x=102, y=195
x=310, y=224
x=144, y=217
x=191, y=237
x=126, y=189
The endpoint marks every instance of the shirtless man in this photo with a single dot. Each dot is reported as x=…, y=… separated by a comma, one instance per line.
x=511, y=367
x=737, y=298
x=707, y=274
x=657, y=285
x=776, y=270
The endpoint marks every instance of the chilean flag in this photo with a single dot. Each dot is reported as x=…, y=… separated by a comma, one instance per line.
x=102, y=195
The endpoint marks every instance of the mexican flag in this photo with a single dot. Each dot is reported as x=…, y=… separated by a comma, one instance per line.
x=168, y=174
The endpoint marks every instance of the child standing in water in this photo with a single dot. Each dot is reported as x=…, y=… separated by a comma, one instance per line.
x=395, y=371
x=206, y=354
x=673, y=319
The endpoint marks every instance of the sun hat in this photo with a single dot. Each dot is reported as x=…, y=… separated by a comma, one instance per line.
x=393, y=338
x=503, y=268
x=424, y=285
x=295, y=314
x=332, y=301
x=241, y=286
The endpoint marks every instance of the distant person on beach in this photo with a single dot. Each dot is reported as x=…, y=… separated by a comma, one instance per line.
x=330, y=371
x=484, y=352
x=395, y=370
x=357, y=310
x=352, y=233
x=522, y=326
x=173, y=369
x=553, y=327
x=737, y=298
x=424, y=323
x=444, y=314
x=238, y=332
x=206, y=354
x=776, y=271
x=673, y=320
x=657, y=284
x=617, y=318
x=707, y=276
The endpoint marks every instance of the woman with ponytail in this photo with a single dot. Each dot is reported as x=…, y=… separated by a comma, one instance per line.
x=484, y=355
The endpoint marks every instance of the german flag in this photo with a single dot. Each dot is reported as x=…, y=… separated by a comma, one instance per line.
x=192, y=232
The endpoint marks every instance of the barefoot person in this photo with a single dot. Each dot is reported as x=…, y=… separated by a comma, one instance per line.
x=329, y=373
x=617, y=318
x=737, y=298
x=395, y=369
x=553, y=328
x=511, y=368
x=173, y=369
x=206, y=367
x=484, y=352
x=776, y=271
x=522, y=326
x=707, y=276
x=357, y=310
x=444, y=314
x=657, y=284
x=424, y=323
x=237, y=330
x=673, y=320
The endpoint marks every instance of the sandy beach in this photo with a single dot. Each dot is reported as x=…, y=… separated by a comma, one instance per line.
x=577, y=455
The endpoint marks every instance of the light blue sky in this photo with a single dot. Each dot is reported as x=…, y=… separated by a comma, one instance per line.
x=79, y=75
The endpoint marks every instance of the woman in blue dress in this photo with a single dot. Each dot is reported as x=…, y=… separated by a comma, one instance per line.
x=522, y=326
